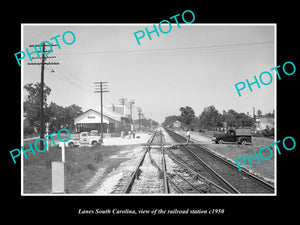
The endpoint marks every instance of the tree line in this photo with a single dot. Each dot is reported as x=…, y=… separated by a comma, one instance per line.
x=212, y=119
x=55, y=115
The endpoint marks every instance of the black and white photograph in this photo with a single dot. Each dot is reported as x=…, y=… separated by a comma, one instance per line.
x=144, y=109
x=148, y=112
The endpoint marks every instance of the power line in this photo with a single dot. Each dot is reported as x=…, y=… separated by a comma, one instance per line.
x=81, y=82
x=164, y=50
x=71, y=82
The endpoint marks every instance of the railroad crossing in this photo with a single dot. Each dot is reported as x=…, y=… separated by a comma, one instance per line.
x=186, y=168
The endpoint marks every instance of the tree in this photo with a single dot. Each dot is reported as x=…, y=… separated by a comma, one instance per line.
x=72, y=112
x=210, y=118
x=230, y=118
x=32, y=102
x=243, y=120
x=237, y=120
x=169, y=120
x=56, y=117
x=259, y=113
x=59, y=116
x=187, y=115
x=269, y=115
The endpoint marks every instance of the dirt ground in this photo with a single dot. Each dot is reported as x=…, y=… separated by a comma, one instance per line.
x=119, y=157
x=114, y=165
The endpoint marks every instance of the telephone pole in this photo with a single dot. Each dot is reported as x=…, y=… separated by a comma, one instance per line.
x=123, y=102
x=131, y=103
x=43, y=63
x=139, y=110
x=100, y=87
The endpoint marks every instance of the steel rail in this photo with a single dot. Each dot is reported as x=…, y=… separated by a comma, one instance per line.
x=231, y=188
x=185, y=165
x=164, y=168
x=180, y=190
x=254, y=178
x=166, y=175
x=189, y=183
x=166, y=178
x=135, y=172
x=235, y=167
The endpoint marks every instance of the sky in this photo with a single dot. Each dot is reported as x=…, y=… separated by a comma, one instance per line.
x=195, y=65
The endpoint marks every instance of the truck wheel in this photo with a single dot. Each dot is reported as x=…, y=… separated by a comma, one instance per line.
x=244, y=142
x=94, y=143
x=220, y=141
x=71, y=145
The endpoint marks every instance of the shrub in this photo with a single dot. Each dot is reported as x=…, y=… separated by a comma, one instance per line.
x=91, y=166
x=28, y=130
x=268, y=133
x=98, y=157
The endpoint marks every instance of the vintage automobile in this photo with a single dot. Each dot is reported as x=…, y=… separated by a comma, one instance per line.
x=241, y=136
x=85, y=139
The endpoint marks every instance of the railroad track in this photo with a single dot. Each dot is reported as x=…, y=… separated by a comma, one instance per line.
x=145, y=178
x=158, y=171
x=191, y=175
x=218, y=170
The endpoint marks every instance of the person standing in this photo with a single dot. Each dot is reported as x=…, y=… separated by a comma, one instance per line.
x=188, y=136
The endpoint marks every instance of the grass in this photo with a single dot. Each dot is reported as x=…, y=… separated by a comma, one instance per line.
x=81, y=164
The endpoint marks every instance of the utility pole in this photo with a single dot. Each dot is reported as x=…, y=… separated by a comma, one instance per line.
x=132, y=101
x=122, y=102
x=100, y=87
x=139, y=110
x=43, y=63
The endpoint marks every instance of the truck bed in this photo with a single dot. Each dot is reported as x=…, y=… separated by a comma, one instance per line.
x=243, y=132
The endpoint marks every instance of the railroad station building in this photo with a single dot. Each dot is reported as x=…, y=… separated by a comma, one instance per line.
x=113, y=121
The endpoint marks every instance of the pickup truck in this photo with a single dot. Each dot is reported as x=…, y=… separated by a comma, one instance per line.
x=241, y=136
x=84, y=139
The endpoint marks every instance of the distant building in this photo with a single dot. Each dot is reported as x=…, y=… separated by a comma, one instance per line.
x=126, y=113
x=262, y=123
x=121, y=109
x=176, y=124
x=113, y=121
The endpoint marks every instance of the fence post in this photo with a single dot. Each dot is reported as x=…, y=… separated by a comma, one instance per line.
x=62, y=145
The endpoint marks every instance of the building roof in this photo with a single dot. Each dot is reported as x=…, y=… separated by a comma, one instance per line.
x=94, y=116
x=106, y=112
x=116, y=108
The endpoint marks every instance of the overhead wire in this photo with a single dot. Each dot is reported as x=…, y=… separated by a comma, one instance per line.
x=176, y=50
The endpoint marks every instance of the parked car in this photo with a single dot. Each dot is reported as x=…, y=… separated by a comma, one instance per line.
x=85, y=139
x=241, y=136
